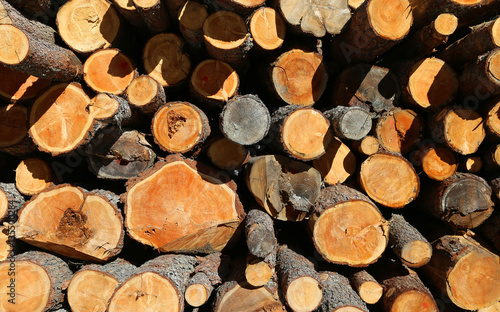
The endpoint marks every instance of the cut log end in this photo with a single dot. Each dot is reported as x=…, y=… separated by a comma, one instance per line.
x=14, y=45
x=192, y=15
x=13, y=125
x=142, y=91
x=369, y=145
x=446, y=24
x=439, y=163
x=473, y=164
x=304, y=294
x=196, y=295
x=370, y=292
x=464, y=130
x=338, y=163
x=416, y=253
x=33, y=175
x=414, y=300
x=494, y=65
x=399, y=130
x=84, y=286
x=258, y=273
x=393, y=26
x=215, y=80
x=103, y=106
x=225, y=30
x=227, y=155
x=267, y=28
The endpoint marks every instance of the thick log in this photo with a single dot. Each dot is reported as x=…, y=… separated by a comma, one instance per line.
x=259, y=233
x=408, y=243
x=88, y=25
x=480, y=78
x=465, y=271
x=154, y=14
x=338, y=294
x=20, y=86
x=198, y=290
x=37, y=284
x=338, y=163
x=347, y=228
x=24, y=52
x=367, y=287
x=33, y=175
x=267, y=28
x=108, y=108
x=191, y=17
x=11, y=201
x=352, y=123
x=399, y=130
x=146, y=94
x=285, y=188
x=259, y=271
x=389, y=179
x=369, y=145
x=214, y=82
x=316, y=18
x=227, y=155
x=93, y=285
x=180, y=127
x=438, y=162
x=183, y=206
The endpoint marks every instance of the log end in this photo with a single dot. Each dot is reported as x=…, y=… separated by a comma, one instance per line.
x=267, y=28
x=196, y=295
x=215, y=80
x=446, y=24
x=304, y=294
x=393, y=26
x=416, y=253
x=33, y=175
x=370, y=292
x=14, y=44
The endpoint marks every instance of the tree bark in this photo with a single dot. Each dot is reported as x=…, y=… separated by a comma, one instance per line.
x=108, y=108
x=154, y=14
x=407, y=243
x=191, y=17
x=259, y=233
x=259, y=271
x=367, y=287
x=198, y=290
x=11, y=201
x=338, y=294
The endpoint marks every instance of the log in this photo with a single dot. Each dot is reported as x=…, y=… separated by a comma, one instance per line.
x=300, y=283
x=285, y=188
x=198, y=290
x=36, y=282
x=367, y=287
x=347, y=228
x=108, y=108
x=259, y=271
x=375, y=27
x=11, y=201
x=13, y=125
x=316, y=18
x=180, y=127
x=52, y=117
x=409, y=245
x=214, y=82
x=146, y=94
x=352, y=123
x=19, y=86
x=399, y=130
x=461, y=129
x=81, y=224
x=338, y=294
x=438, y=162
x=243, y=7
x=127, y=9
x=472, y=164
x=158, y=284
x=267, y=28
x=290, y=135
x=374, y=88
x=33, y=175
x=216, y=266
x=480, y=78
x=164, y=60
x=227, y=155
x=154, y=14
x=483, y=38
x=191, y=17
x=24, y=52
x=299, y=77
x=369, y=145
x=109, y=71
x=492, y=117
x=389, y=179
x=429, y=84
x=259, y=233
x=93, y=285
x=119, y=155
x=245, y=120
x=462, y=201
x=88, y=25
x=465, y=271
x=182, y=206
x=40, y=10
x=338, y=164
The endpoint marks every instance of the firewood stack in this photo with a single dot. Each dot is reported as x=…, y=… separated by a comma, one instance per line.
x=249, y=155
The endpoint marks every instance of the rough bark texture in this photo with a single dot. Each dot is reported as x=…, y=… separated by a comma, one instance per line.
x=11, y=201
x=408, y=243
x=367, y=287
x=40, y=10
x=259, y=232
x=191, y=17
x=259, y=271
x=155, y=16
x=337, y=293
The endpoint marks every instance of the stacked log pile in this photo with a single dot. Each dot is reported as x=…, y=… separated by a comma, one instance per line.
x=249, y=155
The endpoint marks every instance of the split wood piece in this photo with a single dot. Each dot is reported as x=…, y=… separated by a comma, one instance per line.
x=6, y=241
x=300, y=283
x=88, y=25
x=438, y=162
x=191, y=17
x=367, y=287
x=82, y=225
x=119, y=155
x=19, y=86
x=368, y=86
x=40, y=10
x=108, y=108
x=182, y=206
x=427, y=39
x=490, y=229
x=214, y=82
x=389, y=179
x=369, y=145
x=299, y=77
x=338, y=163
x=316, y=18
x=245, y=120
x=375, y=27
x=408, y=243
x=164, y=60
x=347, y=228
x=243, y=7
x=472, y=164
x=127, y=9
x=480, y=79
x=227, y=37
x=37, y=284
x=157, y=285
x=59, y=119
x=13, y=125
x=259, y=233
x=267, y=28
x=338, y=294
x=461, y=129
x=285, y=188
x=290, y=135
x=492, y=117
x=109, y=70
x=9, y=15
x=259, y=271
x=198, y=290
x=33, y=175
x=180, y=127
x=11, y=201
x=352, y=123
x=407, y=293
x=483, y=38
x=154, y=14
x=464, y=270
x=429, y=84
x=93, y=285
x=227, y=155
x=399, y=130
x=24, y=52
x=462, y=201
x=146, y=94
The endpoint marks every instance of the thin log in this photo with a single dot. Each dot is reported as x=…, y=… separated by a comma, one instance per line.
x=369, y=145
x=259, y=233
x=108, y=108
x=259, y=271
x=227, y=155
x=352, y=123
x=146, y=94
x=338, y=294
x=191, y=17
x=198, y=290
x=408, y=243
x=367, y=287
x=480, y=78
